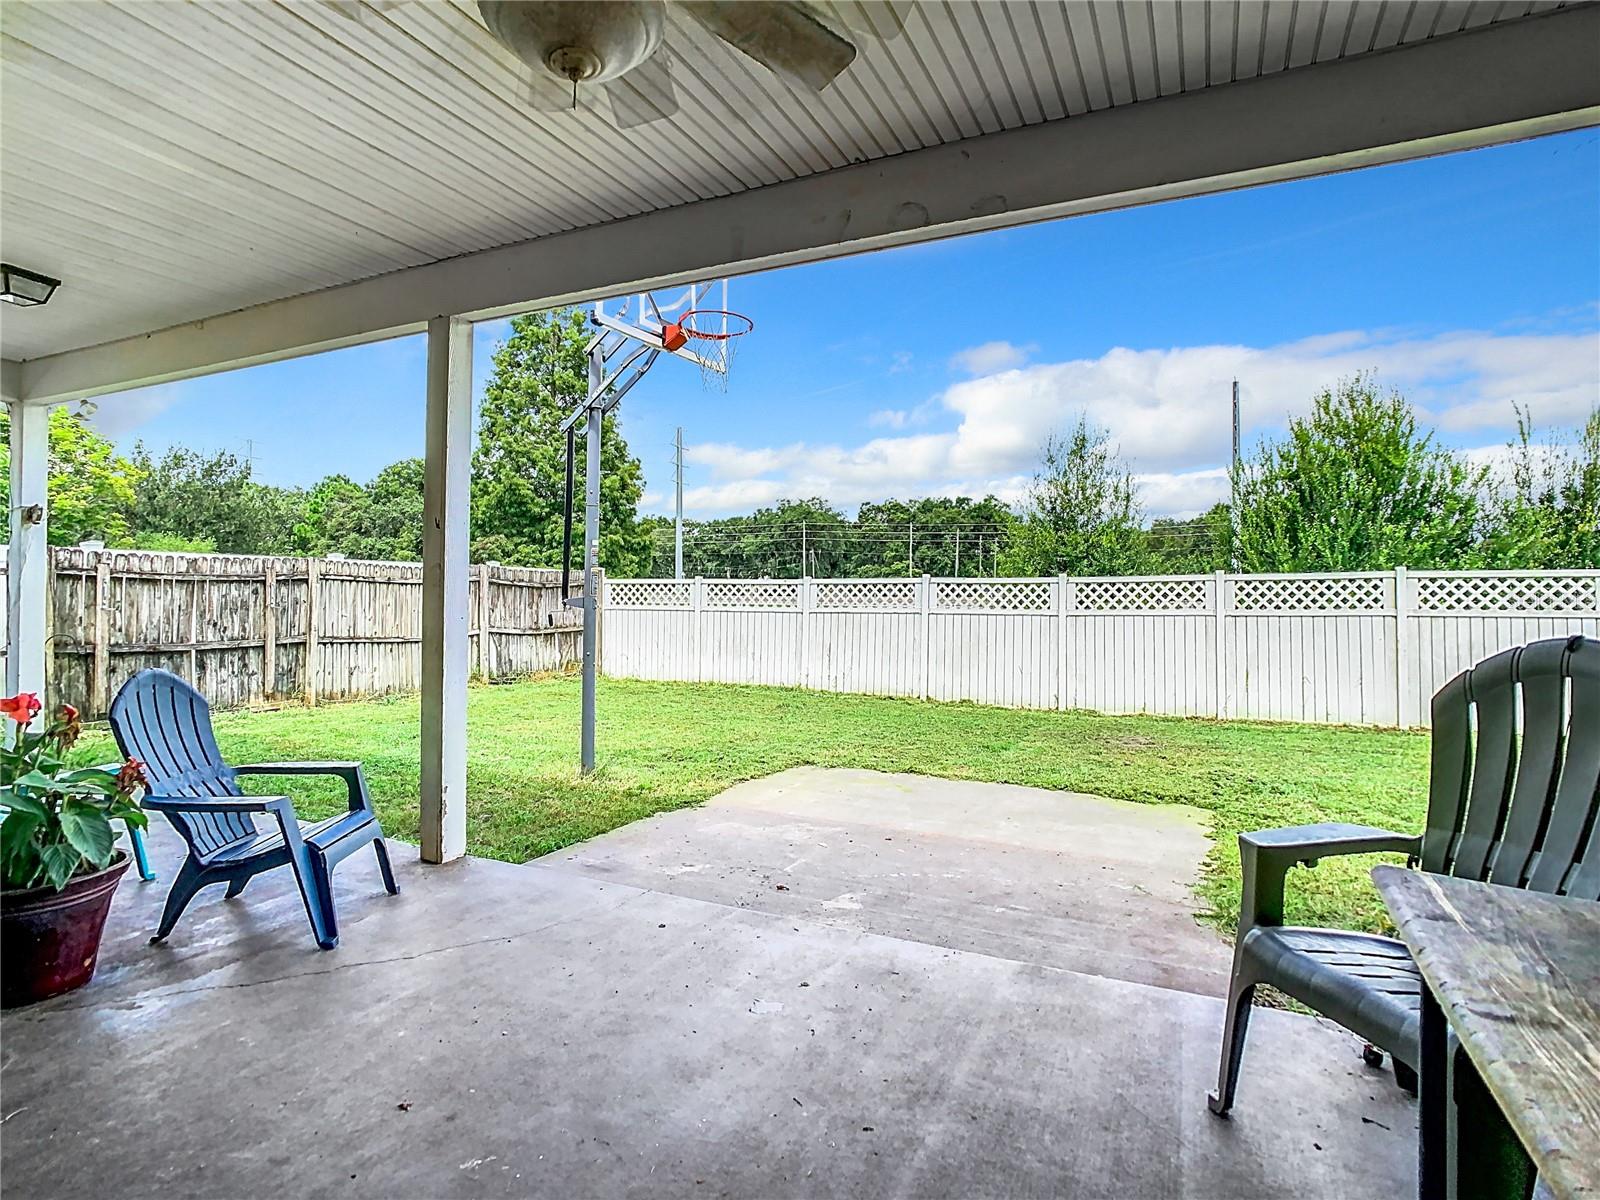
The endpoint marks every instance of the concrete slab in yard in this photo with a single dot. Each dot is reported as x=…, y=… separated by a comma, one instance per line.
x=1054, y=878
x=501, y=1031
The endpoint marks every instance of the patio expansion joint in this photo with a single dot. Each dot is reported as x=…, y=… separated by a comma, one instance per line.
x=504, y=938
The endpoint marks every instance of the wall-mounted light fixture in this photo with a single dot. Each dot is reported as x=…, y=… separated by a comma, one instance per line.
x=25, y=288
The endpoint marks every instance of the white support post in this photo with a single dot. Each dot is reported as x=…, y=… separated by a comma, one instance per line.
x=926, y=595
x=28, y=574
x=445, y=572
x=1219, y=589
x=1402, y=645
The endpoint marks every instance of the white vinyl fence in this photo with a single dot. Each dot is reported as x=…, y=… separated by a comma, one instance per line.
x=1368, y=649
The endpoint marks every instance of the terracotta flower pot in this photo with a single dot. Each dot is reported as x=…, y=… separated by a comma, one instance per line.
x=49, y=940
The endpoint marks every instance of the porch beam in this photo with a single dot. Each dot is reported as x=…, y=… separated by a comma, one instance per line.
x=28, y=557
x=1513, y=80
x=445, y=573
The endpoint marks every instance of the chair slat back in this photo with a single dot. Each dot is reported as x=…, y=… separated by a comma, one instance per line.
x=166, y=724
x=1513, y=794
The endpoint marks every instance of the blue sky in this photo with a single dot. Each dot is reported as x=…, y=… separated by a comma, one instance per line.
x=1469, y=282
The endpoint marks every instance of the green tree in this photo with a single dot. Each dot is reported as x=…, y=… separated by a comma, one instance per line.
x=1082, y=514
x=1544, y=513
x=90, y=487
x=1355, y=487
x=540, y=375
x=212, y=498
x=937, y=535
x=1193, y=547
x=379, y=520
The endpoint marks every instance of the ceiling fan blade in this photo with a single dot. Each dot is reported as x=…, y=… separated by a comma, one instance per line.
x=880, y=19
x=644, y=94
x=783, y=36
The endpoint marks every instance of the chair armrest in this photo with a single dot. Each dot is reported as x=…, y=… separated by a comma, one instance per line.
x=1266, y=855
x=218, y=804
x=354, y=781
x=297, y=768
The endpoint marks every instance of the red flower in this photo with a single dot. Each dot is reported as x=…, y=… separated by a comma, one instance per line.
x=68, y=713
x=21, y=708
x=131, y=776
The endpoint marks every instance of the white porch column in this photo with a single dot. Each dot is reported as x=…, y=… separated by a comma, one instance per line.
x=445, y=615
x=28, y=572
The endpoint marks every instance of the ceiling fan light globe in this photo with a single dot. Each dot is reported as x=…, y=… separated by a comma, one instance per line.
x=603, y=38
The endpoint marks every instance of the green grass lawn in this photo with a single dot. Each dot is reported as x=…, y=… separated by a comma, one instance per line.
x=667, y=745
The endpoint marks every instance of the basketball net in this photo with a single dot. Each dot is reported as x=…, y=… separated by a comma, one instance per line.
x=713, y=334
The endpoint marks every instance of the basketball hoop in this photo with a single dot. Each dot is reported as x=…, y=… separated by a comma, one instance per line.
x=715, y=333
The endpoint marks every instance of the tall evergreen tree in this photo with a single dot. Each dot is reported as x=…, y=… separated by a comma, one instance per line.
x=1355, y=487
x=519, y=469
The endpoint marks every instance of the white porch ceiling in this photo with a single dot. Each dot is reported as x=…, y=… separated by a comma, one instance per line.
x=172, y=162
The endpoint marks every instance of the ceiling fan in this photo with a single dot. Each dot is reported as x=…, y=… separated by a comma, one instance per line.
x=570, y=48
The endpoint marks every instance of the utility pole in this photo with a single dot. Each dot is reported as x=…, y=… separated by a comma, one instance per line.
x=1233, y=486
x=802, y=548
x=958, y=554
x=677, y=533
x=911, y=548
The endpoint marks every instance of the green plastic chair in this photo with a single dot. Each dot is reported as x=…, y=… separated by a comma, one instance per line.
x=1512, y=799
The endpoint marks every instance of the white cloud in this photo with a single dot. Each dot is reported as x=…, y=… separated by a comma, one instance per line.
x=122, y=413
x=1168, y=411
x=990, y=357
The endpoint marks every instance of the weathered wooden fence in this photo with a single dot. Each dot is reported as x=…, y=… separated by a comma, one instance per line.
x=1366, y=649
x=248, y=630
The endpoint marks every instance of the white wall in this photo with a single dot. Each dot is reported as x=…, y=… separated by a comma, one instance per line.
x=1366, y=649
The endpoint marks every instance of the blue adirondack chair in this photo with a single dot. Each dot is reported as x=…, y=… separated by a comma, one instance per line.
x=164, y=723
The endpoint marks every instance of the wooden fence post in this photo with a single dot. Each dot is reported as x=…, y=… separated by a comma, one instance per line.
x=485, y=664
x=925, y=594
x=195, y=589
x=313, y=670
x=269, y=632
x=100, y=680
x=1402, y=645
x=1220, y=636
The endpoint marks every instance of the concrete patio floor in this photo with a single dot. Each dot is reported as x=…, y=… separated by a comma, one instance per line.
x=506, y=1030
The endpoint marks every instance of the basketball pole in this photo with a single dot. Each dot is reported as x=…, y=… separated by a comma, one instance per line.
x=591, y=550
x=635, y=350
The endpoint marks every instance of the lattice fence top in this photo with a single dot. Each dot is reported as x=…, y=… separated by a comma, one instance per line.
x=650, y=593
x=1506, y=593
x=1313, y=593
x=1140, y=595
x=994, y=595
x=870, y=595
x=767, y=595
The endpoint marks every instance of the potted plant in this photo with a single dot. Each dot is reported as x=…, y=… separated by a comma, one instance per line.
x=58, y=858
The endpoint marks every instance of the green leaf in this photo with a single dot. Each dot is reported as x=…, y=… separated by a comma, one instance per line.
x=95, y=775
x=132, y=814
x=35, y=780
x=19, y=803
x=86, y=828
x=19, y=852
x=60, y=863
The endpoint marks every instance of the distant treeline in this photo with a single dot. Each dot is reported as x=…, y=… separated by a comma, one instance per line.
x=1353, y=486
